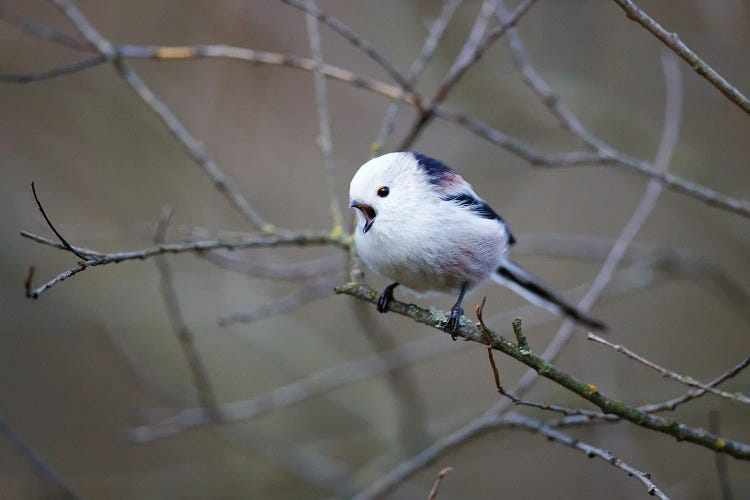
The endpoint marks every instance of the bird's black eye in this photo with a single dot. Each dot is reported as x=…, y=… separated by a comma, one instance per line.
x=383, y=191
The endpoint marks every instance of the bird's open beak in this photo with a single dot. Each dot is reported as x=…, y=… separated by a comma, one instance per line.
x=367, y=211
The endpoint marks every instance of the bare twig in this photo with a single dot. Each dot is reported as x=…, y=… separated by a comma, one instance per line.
x=671, y=40
x=51, y=226
x=589, y=450
x=435, y=34
x=353, y=38
x=486, y=334
x=396, y=476
x=29, y=279
x=40, y=467
x=194, y=148
x=300, y=390
x=523, y=346
x=206, y=395
x=306, y=292
x=683, y=379
x=434, y=490
x=722, y=468
x=324, y=116
x=85, y=28
x=44, y=32
x=271, y=268
x=475, y=48
x=303, y=238
x=671, y=404
x=67, y=69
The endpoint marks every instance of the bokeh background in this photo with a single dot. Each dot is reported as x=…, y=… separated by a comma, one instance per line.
x=77, y=364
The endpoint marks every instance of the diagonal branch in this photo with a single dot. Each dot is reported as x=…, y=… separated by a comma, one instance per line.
x=671, y=40
x=194, y=148
x=590, y=450
x=206, y=395
x=353, y=38
x=435, y=34
x=44, y=32
x=437, y=319
x=474, y=49
x=683, y=379
x=67, y=69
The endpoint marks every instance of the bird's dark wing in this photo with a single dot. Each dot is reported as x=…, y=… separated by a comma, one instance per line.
x=480, y=208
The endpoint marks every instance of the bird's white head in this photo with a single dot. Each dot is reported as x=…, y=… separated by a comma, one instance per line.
x=385, y=189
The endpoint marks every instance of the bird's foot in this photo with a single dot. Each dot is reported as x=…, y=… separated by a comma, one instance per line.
x=385, y=298
x=454, y=320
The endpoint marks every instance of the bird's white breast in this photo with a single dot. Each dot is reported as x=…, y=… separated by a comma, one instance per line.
x=436, y=248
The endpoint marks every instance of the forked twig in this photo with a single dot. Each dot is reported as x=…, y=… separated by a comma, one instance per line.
x=683, y=379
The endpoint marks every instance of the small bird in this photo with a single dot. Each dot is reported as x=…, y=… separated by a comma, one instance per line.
x=421, y=224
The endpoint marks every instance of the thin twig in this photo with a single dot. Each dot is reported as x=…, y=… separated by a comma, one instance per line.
x=523, y=346
x=304, y=293
x=44, y=32
x=463, y=63
x=324, y=115
x=722, y=468
x=353, y=38
x=668, y=405
x=206, y=395
x=590, y=450
x=397, y=475
x=51, y=226
x=271, y=268
x=85, y=28
x=486, y=334
x=671, y=404
x=430, y=45
x=303, y=238
x=434, y=490
x=195, y=149
x=40, y=467
x=471, y=45
x=29, y=280
x=683, y=379
x=300, y=390
x=67, y=69
x=673, y=42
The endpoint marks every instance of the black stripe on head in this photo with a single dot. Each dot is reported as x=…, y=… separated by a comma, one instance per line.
x=479, y=207
x=435, y=169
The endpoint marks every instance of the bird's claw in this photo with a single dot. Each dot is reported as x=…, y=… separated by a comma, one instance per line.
x=385, y=298
x=454, y=321
x=383, y=302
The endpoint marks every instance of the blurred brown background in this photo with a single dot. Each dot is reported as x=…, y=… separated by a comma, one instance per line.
x=78, y=362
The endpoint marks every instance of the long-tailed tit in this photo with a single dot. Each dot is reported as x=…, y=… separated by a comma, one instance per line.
x=422, y=225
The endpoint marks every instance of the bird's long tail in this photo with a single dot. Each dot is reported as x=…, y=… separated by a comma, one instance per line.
x=532, y=289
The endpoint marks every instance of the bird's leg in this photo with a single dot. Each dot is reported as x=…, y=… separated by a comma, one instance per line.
x=454, y=321
x=385, y=298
